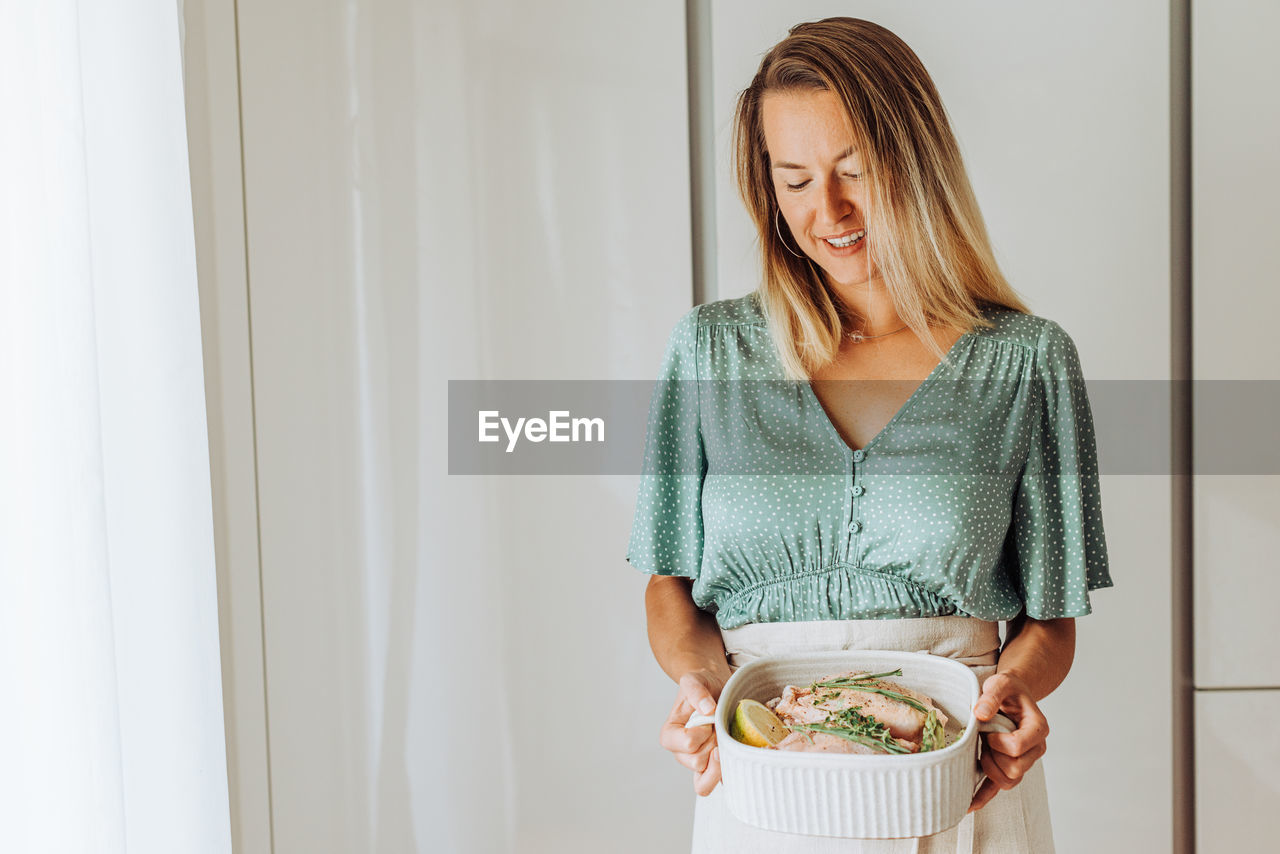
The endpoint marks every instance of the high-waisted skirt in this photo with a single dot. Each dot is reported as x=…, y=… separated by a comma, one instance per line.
x=1015, y=821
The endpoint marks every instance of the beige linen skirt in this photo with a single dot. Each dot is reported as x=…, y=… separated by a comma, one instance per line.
x=1014, y=822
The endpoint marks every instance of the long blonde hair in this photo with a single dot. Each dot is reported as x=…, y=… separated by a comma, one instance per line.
x=925, y=230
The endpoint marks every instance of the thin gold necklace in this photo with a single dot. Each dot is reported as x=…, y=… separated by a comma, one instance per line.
x=857, y=337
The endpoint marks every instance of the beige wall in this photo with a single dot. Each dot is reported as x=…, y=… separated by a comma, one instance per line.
x=1236, y=179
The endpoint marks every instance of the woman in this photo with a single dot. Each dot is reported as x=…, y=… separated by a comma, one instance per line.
x=789, y=503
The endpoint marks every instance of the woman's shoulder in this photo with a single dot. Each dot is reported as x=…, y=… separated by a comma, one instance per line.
x=741, y=311
x=728, y=339
x=745, y=313
x=1029, y=331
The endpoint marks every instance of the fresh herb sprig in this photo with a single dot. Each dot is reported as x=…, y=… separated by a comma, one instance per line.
x=852, y=735
x=860, y=683
x=852, y=725
x=853, y=681
x=933, y=737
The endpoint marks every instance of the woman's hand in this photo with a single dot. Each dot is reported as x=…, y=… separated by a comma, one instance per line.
x=1008, y=756
x=695, y=748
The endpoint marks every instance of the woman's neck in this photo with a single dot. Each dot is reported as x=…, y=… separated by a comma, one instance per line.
x=871, y=301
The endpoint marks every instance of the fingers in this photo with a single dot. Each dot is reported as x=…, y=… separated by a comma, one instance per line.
x=1004, y=693
x=994, y=690
x=694, y=748
x=1031, y=733
x=983, y=796
x=992, y=786
x=996, y=773
x=674, y=737
x=696, y=760
x=697, y=693
x=1004, y=771
x=706, y=781
x=1014, y=768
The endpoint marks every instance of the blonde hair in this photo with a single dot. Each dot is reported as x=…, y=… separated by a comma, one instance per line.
x=925, y=229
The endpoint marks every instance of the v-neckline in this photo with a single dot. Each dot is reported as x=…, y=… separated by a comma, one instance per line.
x=918, y=392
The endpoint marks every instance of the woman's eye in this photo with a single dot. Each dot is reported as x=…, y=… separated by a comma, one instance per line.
x=857, y=176
x=794, y=187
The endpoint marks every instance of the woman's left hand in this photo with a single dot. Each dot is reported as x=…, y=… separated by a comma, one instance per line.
x=1008, y=755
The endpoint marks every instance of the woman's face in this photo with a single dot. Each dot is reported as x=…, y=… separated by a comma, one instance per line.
x=817, y=178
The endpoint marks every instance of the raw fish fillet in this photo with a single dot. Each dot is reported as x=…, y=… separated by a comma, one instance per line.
x=802, y=706
x=822, y=743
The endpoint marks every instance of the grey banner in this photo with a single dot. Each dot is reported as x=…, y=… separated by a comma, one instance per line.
x=609, y=427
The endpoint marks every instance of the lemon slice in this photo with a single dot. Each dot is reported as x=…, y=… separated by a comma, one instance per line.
x=754, y=724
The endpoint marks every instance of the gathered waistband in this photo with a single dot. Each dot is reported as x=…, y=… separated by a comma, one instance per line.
x=965, y=639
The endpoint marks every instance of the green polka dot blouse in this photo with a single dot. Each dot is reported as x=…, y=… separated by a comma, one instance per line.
x=979, y=498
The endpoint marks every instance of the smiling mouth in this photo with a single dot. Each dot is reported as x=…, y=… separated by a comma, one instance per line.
x=846, y=240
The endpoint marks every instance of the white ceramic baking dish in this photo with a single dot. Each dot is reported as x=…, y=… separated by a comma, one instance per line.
x=870, y=797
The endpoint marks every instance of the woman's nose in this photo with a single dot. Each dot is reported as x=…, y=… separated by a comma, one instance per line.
x=835, y=205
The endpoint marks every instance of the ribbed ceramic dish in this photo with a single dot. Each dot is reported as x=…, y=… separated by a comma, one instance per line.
x=872, y=797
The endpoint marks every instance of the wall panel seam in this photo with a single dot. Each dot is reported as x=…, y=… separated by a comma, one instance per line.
x=1182, y=465
x=702, y=167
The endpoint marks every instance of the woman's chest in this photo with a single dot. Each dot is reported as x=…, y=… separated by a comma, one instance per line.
x=932, y=420
x=869, y=383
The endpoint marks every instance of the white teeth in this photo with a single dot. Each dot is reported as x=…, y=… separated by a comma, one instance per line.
x=847, y=240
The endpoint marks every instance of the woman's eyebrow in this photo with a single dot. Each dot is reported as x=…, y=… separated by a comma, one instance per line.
x=841, y=156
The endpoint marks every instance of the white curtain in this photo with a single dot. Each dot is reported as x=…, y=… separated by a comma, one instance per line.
x=111, y=734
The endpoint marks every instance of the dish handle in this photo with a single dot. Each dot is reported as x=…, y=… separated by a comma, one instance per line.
x=699, y=720
x=999, y=723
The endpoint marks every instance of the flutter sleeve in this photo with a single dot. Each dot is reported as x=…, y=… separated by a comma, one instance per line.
x=1056, y=549
x=666, y=534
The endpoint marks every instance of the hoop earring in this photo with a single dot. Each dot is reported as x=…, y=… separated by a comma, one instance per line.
x=777, y=226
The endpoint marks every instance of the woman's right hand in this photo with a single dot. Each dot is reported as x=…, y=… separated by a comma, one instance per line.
x=695, y=748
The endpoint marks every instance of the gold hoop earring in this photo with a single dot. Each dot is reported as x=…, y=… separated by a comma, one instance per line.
x=777, y=226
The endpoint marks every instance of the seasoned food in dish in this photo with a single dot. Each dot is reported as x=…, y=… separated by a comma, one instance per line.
x=858, y=712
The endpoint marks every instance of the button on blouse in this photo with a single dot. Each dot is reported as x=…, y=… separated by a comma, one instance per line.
x=979, y=498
